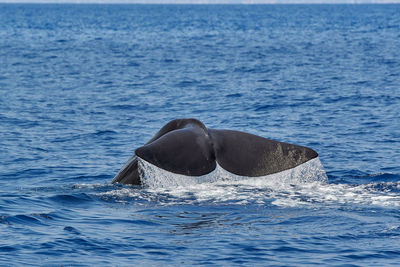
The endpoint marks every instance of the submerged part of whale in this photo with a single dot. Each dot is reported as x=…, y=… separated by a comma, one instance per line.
x=186, y=146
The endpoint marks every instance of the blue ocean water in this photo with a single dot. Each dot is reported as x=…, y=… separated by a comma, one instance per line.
x=81, y=86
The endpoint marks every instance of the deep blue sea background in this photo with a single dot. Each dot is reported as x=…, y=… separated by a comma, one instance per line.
x=81, y=86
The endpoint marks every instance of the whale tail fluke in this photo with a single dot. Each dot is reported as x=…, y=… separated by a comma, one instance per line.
x=187, y=147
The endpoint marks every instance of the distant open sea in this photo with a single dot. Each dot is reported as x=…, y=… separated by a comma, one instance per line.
x=81, y=86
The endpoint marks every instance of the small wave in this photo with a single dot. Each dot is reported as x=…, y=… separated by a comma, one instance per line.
x=7, y=249
x=187, y=83
x=234, y=95
x=71, y=198
x=20, y=219
x=128, y=107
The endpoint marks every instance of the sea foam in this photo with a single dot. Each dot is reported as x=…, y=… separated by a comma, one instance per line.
x=155, y=177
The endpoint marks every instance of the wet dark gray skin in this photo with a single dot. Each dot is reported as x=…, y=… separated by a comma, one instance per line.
x=186, y=146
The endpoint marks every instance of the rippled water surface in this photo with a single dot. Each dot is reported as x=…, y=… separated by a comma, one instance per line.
x=81, y=86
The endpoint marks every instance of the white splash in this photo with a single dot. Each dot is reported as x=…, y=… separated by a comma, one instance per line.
x=222, y=186
x=154, y=177
x=304, y=185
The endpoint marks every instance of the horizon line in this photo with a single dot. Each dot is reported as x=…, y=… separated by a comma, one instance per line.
x=205, y=2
